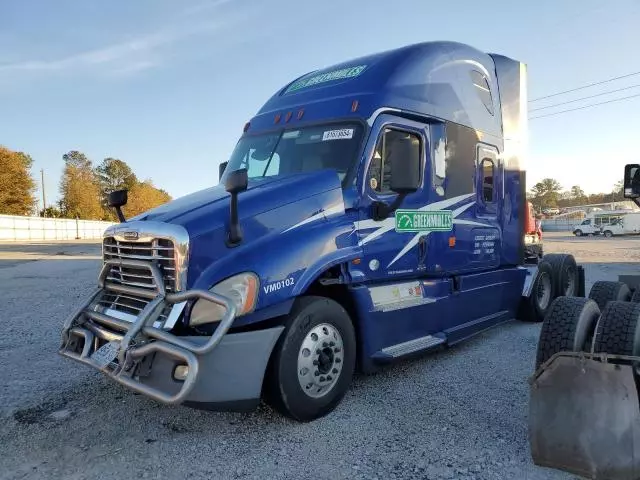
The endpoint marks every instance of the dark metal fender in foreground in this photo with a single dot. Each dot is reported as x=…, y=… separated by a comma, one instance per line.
x=230, y=376
x=584, y=416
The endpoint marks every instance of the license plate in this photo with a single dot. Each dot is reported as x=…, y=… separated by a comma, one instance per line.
x=106, y=354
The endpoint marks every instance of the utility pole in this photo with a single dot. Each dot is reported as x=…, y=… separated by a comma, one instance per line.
x=44, y=198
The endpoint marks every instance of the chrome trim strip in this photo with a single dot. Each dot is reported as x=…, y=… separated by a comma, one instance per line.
x=380, y=111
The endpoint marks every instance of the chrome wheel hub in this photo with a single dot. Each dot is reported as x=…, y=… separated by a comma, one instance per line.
x=320, y=360
x=543, y=292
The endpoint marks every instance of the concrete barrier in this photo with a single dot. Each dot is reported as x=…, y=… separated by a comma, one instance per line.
x=16, y=228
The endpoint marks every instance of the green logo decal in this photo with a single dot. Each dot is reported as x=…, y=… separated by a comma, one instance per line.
x=421, y=221
x=326, y=77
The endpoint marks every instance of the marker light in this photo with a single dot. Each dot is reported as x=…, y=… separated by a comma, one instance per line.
x=288, y=117
x=277, y=119
x=181, y=372
x=354, y=105
x=300, y=113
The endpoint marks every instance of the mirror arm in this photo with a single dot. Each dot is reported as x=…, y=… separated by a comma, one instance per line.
x=234, y=236
x=120, y=214
x=381, y=210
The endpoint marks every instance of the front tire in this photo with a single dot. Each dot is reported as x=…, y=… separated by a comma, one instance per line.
x=608, y=233
x=534, y=307
x=313, y=361
x=578, y=233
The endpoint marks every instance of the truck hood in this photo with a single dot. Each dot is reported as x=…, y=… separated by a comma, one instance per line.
x=206, y=210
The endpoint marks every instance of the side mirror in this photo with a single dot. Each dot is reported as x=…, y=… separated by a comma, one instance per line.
x=237, y=181
x=405, y=166
x=221, y=169
x=118, y=199
x=632, y=181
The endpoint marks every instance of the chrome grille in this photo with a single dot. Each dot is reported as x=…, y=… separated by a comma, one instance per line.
x=157, y=251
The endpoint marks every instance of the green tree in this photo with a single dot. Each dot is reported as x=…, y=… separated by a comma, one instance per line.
x=546, y=193
x=79, y=188
x=114, y=174
x=17, y=187
x=144, y=196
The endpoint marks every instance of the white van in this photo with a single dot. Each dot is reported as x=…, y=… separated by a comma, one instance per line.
x=626, y=225
x=587, y=227
x=599, y=221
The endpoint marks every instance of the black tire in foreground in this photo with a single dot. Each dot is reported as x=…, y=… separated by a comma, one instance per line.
x=618, y=331
x=604, y=291
x=569, y=326
x=565, y=273
x=534, y=307
x=313, y=361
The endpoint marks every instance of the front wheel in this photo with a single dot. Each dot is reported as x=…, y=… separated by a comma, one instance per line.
x=578, y=233
x=314, y=360
x=608, y=233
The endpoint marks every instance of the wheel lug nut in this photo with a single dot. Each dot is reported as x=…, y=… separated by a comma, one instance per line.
x=325, y=344
x=316, y=373
x=332, y=344
x=329, y=377
x=335, y=370
x=336, y=350
x=337, y=360
x=322, y=379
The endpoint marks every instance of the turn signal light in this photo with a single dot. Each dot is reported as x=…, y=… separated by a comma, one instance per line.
x=181, y=372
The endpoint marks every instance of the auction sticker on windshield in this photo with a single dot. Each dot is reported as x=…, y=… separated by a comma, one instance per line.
x=421, y=221
x=342, y=134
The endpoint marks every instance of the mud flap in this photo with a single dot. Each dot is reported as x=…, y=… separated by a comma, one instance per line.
x=584, y=416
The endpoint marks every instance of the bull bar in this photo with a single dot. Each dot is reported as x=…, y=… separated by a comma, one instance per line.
x=140, y=339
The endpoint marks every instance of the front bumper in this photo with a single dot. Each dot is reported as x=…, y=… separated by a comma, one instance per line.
x=223, y=369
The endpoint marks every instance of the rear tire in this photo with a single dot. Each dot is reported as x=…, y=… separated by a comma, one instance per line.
x=317, y=349
x=603, y=292
x=608, y=233
x=578, y=233
x=534, y=308
x=565, y=273
x=618, y=331
x=569, y=326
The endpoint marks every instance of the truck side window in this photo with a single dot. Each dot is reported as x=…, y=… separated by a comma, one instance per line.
x=487, y=180
x=379, y=177
x=482, y=89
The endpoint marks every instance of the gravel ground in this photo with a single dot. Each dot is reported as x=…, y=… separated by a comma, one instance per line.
x=457, y=414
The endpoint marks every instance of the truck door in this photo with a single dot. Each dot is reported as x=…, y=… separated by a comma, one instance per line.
x=386, y=252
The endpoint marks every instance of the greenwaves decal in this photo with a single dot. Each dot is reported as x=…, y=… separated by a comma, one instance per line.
x=421, y=221
x=326, y=77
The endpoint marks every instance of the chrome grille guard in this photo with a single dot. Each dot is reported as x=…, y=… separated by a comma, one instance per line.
x=139, y=339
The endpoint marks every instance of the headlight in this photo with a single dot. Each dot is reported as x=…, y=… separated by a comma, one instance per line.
x=241, y=288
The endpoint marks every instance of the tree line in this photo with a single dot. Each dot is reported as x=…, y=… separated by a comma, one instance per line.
x=83, y=188
x=548, y=193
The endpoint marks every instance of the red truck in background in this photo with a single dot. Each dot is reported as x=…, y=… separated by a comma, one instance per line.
x=532, y=235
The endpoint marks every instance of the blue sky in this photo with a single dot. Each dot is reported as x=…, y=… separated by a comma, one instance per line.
x=167, y=86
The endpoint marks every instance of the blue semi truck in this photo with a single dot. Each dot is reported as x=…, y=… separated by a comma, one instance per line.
x=370, y=211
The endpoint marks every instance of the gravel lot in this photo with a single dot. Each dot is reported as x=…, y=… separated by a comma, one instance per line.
x=461, y=413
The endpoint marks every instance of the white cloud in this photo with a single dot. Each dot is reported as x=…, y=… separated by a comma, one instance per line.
x=134, y=55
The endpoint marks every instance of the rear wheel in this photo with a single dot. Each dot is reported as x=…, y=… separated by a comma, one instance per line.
x=565, y=273
x=603, y=292
x=618, y=331
x=313, y=361
x=608, y=233
x=534, y=307
x=568, y=327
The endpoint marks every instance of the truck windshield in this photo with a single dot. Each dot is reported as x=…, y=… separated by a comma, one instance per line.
x=298, y=150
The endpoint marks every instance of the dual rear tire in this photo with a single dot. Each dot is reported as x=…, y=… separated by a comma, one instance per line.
x=606, y=322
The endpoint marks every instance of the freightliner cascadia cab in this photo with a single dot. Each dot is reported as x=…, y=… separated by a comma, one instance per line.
x=369, y=211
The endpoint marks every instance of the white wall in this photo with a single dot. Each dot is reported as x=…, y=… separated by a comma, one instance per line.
x=18, y=228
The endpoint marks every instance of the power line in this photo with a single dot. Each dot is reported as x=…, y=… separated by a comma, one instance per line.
x=585, y=86
x=585, y=106
x=585, y=98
